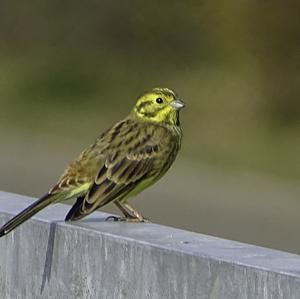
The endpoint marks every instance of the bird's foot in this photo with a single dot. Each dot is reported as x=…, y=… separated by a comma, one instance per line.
x=126, y=219
x=112, y=218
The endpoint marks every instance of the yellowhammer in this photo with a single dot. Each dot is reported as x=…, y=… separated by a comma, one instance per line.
x=130, y=156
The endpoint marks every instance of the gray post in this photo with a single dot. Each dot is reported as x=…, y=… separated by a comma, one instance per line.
x=48, y=258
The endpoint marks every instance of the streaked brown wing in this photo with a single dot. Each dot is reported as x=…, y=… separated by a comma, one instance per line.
x=133, y=153
x=117, y=179
x=79, y=174
x=84, y=169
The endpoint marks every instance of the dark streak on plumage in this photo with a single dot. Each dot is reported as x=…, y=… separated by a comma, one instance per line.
x=116, y=131
x=88, y=205
x=129, y=168
x=146, y=139
x=110, y=188
x=101, y=172
x=121, y=192
x=114, y=135
x=123, y=173
x=131, y=174
x=129, y=140
x=80, y=181
x=100, y=137
x=95, y=187
x=113, y=157
x=118, y=166
x=177, y=119
x=144, y=104
x=119, y=144
x=150, y=114
x=165, y=91
x=137, y=134
x=143, y=167
x=148, y=149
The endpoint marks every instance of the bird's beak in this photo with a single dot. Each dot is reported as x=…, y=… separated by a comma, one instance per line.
x=177, y=104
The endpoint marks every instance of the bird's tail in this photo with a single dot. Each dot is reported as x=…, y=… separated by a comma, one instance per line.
x=27, y=213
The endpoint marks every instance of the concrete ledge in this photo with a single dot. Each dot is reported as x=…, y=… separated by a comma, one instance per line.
x=48, y=258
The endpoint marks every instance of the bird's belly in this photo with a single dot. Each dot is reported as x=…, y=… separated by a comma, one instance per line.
x=140, y=187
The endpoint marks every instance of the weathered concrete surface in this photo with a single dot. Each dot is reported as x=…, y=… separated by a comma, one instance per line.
x=48, y=258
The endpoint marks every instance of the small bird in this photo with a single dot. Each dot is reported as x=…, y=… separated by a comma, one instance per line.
x=123, y=161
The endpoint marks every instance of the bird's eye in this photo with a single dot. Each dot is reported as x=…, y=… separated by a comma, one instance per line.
x=159, y=100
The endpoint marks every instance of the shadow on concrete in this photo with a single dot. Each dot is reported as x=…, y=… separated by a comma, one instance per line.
x=49, y=256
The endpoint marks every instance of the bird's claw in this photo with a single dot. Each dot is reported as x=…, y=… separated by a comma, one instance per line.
x=113, y=218
x=126, y=219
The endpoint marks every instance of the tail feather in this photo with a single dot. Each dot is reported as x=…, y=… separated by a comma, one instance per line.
x=27, y=213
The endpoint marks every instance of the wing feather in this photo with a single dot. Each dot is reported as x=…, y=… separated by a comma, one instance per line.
x=130, y=153
x=124, y=168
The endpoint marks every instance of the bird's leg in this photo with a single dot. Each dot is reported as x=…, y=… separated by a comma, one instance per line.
x=131, y=215
x=134, y=214
x=123, y=210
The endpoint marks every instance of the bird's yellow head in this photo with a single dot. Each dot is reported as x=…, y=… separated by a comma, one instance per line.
x=160, y=105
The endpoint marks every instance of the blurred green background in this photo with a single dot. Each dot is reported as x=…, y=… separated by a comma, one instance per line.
x=70, y=69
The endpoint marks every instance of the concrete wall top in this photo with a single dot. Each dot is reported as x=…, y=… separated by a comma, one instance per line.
x=94, y=258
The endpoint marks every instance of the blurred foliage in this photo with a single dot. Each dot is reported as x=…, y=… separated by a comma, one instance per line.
x=75, y=67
